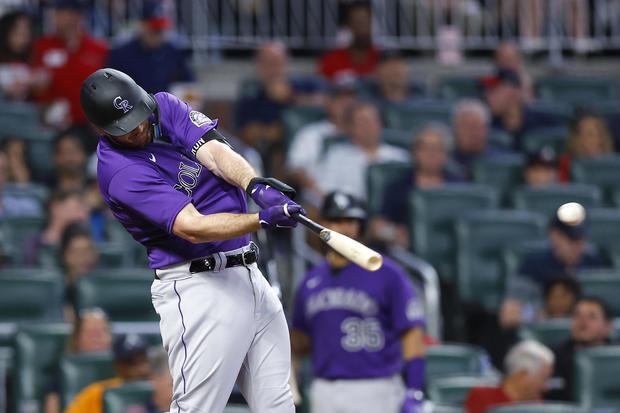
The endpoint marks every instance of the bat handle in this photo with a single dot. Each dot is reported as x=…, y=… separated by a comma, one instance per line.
x=304, y=220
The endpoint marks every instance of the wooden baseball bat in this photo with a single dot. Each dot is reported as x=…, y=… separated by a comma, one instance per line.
x=353, y=250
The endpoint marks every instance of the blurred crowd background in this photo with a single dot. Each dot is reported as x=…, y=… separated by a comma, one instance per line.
x=464, y=124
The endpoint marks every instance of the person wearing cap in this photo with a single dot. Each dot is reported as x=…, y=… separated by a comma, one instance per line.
x=130, y=363
x=392, y=85
x=541, y=168
x=151, y=60
x=591, y=327
x=362, y=329
x=502, y=92
x=68, y=56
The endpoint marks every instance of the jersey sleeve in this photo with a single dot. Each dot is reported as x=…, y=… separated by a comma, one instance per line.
x=407, y=309
x=185, y=126
x=142, y=191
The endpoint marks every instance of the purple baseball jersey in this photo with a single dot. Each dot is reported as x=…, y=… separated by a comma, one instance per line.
x=355, y=317
x=146, y=188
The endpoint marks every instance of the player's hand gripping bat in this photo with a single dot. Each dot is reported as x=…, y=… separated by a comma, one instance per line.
x=351, y=249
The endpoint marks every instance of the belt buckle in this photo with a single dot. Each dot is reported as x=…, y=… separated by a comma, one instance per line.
x=207, y=264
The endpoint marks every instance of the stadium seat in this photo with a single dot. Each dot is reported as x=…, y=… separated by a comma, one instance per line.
x=432, y=216
x=38, y=348
x=368, y=88
x=561, y=112
x=603, y=230
x=445, y=360
x=147, y=329
x=379, y=177
x=596, y=377
x=500, y=139
x=124, y=294
x=412, y=116
x=39, y=144
x=547, y=407
x=616, y=198
x=453, y=390
x=576, y=89
x=15, y=231
x=601, y=171
x=32, y=190
x=400, y=138
x=504, y=172
x=481, y=238
x=118, y=399
x=546, y=200
x=77, y=371
x=454, y=88
x=296, y=118
x=31, y=295
x=549, y=332
x=603, y=283
x=114, y=255
x=554, y=137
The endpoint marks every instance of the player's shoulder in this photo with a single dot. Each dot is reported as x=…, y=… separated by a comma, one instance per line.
x=110, y=161
x=314, y=276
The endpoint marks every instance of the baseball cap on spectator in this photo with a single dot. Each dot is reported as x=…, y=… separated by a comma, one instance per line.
x=545, y=156
x=570, y=219
x=77, y=5
x=501, y=76
x=154, y=15
x=127, y=346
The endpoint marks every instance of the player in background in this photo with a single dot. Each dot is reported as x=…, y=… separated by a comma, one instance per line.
x=364, y=330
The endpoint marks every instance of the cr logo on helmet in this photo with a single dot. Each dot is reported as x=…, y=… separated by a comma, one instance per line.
x=123, y=105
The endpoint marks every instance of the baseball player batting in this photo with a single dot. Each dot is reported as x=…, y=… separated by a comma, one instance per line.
x=171, y=179
x=364, y=329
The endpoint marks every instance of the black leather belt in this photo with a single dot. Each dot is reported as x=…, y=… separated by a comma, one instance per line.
x=208, y=263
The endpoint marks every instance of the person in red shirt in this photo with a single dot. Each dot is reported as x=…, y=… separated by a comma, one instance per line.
x=360, y=58
x=68, y=56
x=528, y=365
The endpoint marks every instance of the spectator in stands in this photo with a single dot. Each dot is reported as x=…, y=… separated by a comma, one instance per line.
x=508, y=56
x=91, y=333
x=18, y=171
x=68, y=55
x=161, y=380
x=528, y=366
x=64, y=207
x=14, y=205
x=392, y=84
x=591, y=327
x=502, y=92
x=344, y=167
x=360, y=57
x=307, y=149
x=130, y=363
x=470, y=125
x=568, y=250
x=541, y=168
x=150, y=49
x=560, y=295
x=589, y=137
x=15, y=47
x=69, y=162
x=429, y=151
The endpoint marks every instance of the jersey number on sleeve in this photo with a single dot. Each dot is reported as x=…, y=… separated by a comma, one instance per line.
x=361, y=334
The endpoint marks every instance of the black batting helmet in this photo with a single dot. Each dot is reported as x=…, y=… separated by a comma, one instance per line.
x=339, y=204
x=114, y=102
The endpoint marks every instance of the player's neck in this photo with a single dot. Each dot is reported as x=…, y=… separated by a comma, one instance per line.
x=336, y=260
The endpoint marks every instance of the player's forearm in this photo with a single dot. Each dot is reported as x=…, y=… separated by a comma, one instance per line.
x=412, y=342
x=220, y=159
x=197, y=228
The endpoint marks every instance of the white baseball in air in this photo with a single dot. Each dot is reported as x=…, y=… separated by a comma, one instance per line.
x=572, y=213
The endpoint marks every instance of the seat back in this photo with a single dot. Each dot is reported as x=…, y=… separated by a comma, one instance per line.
x=576, y=89
x=296, y=118
x=481, y=238
x=379, y=177
x=549, y=332
x=596, y=377
x=503, y=172
x=31, y=295
x=454, y=390
x=119, y=398
x=452, y=88
x=454, y=359
x=601, y=171
x=603, y=229
x=604, y=284
x=554, y=137
x=77, y=371
x=547, y=200
x=537, y=408
x=15, y=231
x=412, y=116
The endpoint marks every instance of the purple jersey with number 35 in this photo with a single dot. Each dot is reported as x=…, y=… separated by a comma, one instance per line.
x=355, y=317
x=146, y=188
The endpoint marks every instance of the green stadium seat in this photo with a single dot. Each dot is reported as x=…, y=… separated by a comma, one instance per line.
x=15, y=231
x=117, y=234
x=38, y=349
x=37, y=191
x=296, y=118
x=118, y=399
x=31, y=295
x=453, y=390
x=603, y=283
x=616, y=198
x=432, y=215
x=39, y=144
x=379, y=177
x=500, y=139
x=147, y=329
x=445, y=360
x=554, y=137
x=368, y=88
x=577, y=90
x=550, y=332
x=124, y=294
x=601, y=171
x=603, y=230
x=410, y=117
x=400, y=138
x=114, y=255
x=547, y=407
x=562, y=112
x=596, y=377
x=457, y=87
x=504, y=172
x=77, y=371
x=546, y=200
x=481, y=238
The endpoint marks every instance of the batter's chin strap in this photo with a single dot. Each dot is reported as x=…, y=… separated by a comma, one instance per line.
x=156, y=120
x=413, y=375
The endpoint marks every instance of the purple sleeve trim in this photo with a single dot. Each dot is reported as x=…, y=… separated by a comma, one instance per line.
x=174, y=216
x=413, y=372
